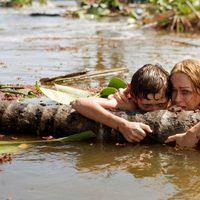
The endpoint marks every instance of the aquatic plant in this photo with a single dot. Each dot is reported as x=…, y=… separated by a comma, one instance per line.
x=100, y=8
x=20, y=3
x=184, y=15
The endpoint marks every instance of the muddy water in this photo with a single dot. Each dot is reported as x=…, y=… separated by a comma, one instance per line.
x=36, y=47
x=101, y=171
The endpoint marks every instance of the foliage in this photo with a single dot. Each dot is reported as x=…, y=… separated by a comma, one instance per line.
x=107, y=91
x=181, y=6
x=21, y=3
x=100, y=8
x=9, y=145
x=114, y=84
x=185, y=14
x=65, y=94
x=58, y=96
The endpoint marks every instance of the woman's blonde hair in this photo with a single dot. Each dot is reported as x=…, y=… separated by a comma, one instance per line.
x=190, y=67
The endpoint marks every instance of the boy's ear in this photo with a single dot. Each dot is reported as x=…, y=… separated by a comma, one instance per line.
x=129, y=86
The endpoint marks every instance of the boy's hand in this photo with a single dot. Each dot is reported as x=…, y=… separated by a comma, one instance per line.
x=134, y=131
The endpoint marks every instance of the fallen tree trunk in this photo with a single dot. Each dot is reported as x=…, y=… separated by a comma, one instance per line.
x=61, y=120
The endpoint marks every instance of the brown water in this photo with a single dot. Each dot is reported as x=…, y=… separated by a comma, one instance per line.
x=101, y=171
x=36, y=47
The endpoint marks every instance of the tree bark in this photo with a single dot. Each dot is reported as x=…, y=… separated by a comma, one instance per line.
x=62, y=120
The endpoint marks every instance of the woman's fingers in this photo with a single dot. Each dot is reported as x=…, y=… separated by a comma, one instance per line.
x=171, y=139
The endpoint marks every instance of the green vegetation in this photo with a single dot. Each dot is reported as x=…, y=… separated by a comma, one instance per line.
x=78, y=137
x=182, y=7
x=65, y=94
x=173, y=15
x=101, y=8
x=185, y=14
x=114, y=84
x=21, y=3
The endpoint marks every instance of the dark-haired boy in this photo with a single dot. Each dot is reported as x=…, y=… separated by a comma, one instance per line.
x=149, y=90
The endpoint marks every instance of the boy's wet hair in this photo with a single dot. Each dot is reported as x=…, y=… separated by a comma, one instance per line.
x=150, y=79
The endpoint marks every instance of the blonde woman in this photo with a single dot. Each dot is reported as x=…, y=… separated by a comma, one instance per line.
x=185, y=79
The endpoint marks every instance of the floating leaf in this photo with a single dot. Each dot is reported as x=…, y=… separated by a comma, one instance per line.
x=8, y=148
x=72, y=138
x=58, y=96
x=117, y=83
x=77, y=137
x=73, y=91
x=107, y=91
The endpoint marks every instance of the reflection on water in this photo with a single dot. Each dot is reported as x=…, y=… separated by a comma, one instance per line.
x=101, y=171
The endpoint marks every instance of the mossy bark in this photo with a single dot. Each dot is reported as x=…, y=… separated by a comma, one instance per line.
x=61, y=120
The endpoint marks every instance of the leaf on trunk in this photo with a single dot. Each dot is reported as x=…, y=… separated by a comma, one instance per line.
x=107, y=91
x=60, y=97
x=114, y=84
x=117, y=83
x=73, y=91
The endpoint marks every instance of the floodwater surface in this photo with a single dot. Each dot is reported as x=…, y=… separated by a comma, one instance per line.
x=35, y=47
x=83, y=171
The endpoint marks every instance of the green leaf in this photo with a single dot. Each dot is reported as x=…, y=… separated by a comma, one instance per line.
x=8, y=148
x=77, y=137
x=117, y=83
x=107, y=91
x=73, y=91
x=72, y=138
x=58, y=96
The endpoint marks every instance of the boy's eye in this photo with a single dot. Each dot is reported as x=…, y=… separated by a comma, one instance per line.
x=146, y=105
x=161, y=105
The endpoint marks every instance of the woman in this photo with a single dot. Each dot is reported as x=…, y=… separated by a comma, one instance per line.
x=185, y=79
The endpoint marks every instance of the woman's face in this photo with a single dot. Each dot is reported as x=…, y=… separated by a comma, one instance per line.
x=183, y=93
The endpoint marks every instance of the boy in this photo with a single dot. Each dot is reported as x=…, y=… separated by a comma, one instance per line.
x=149, y=90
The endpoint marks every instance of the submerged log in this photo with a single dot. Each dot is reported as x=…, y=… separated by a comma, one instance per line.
x=62, y=120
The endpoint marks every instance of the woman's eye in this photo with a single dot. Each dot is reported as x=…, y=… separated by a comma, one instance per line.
x=186, y=92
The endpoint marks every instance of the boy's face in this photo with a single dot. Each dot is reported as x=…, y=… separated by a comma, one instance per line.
x=156, y=101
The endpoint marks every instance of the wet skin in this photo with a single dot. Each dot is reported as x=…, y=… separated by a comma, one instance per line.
x=184, y=94
x=156, y=101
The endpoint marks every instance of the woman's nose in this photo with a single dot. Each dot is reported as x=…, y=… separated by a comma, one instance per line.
x=178, y=97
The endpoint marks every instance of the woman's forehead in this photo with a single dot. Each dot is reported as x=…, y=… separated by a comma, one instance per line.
x=181, y=80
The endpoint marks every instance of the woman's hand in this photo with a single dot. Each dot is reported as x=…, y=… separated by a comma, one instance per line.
x=187, y=139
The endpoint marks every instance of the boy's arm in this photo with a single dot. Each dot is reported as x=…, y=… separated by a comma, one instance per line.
x=94, y=109
x=188, y=139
